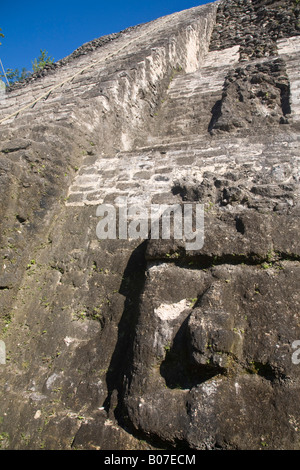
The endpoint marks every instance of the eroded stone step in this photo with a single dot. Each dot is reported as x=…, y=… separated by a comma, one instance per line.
x=189, y=95
x=150, y=172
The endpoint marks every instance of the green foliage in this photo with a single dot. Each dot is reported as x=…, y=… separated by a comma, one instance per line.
x=1, y=35
x=14, y=75
x=41, y=61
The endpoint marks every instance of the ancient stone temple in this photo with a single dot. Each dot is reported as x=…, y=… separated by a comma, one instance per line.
x=140, y=343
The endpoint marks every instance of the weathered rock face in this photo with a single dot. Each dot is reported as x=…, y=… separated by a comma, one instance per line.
x=255, y=25
x=140, y=344
x=257, y=94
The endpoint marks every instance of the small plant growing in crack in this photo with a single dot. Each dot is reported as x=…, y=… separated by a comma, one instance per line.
x=266, y=265
x=193, y=301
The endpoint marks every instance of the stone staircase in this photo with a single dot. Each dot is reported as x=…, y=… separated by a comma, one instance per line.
x=179, y=125
x=184, y=112
x=147, y=175
x=179, y=146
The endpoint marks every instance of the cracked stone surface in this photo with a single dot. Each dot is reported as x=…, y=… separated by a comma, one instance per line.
x=143, y=344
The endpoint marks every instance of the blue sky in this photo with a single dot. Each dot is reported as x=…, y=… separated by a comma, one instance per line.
x=60, y=26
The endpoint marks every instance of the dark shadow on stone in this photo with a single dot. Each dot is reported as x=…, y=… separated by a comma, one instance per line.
x=131, y=287
x=239, y=225
x=266, y=371
x=179, y=370
x=216, y=113
x=120, y=368
x=179, y=189
x=285, y=94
